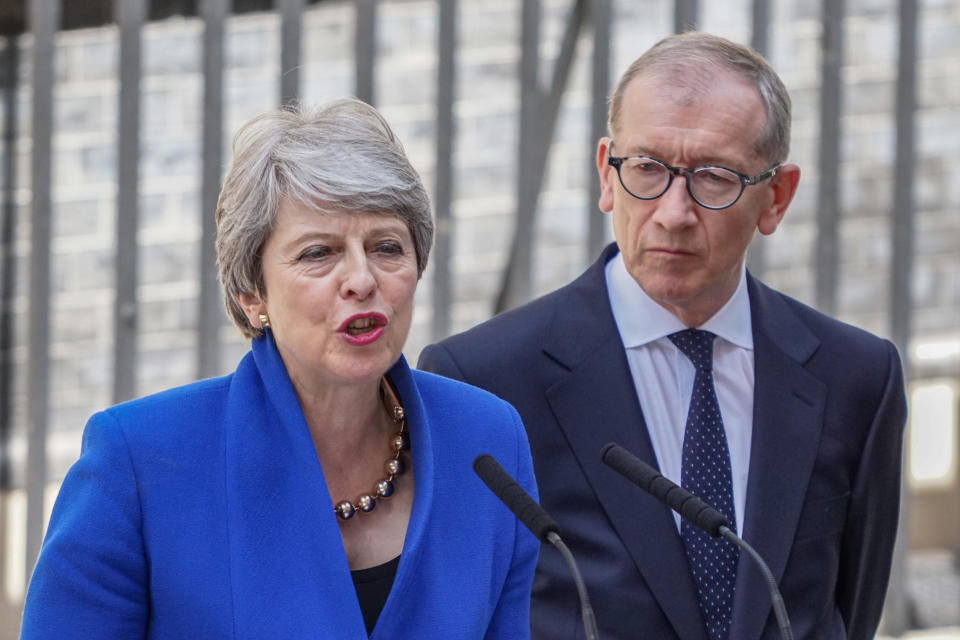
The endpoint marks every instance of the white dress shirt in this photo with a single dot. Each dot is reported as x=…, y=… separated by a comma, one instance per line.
x=663, y=375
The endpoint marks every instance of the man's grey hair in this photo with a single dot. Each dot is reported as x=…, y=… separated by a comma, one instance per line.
x=340, y=157
x=690, y=59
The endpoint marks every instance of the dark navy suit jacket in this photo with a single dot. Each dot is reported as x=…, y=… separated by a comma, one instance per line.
x=824, y=477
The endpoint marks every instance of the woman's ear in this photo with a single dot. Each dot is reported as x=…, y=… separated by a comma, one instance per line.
x=252, y=305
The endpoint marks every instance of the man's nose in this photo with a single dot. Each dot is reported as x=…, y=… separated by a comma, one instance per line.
x=676, y=209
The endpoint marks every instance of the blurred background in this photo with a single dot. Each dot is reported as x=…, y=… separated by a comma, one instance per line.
x=115, y=126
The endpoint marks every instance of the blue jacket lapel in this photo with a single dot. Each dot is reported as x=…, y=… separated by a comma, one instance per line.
x=595, y=404
x=393, y=622
x=280, y=515
x=788, y=416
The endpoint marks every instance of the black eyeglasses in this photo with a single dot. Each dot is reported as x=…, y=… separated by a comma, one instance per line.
x=711, y=187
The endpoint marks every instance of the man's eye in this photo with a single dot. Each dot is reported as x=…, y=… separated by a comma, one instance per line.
x=645, y=166
x=717, y=176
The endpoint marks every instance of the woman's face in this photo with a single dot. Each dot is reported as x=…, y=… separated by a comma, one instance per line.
x=339, y=293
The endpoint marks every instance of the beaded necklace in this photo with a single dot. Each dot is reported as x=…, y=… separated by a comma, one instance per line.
x=394, y=466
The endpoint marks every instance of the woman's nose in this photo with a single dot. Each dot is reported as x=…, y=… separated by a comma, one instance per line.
x=358, y=280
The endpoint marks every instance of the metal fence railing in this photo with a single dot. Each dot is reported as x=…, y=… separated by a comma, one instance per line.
x=588, y=23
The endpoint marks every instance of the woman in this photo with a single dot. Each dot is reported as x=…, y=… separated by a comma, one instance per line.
x=323, y=489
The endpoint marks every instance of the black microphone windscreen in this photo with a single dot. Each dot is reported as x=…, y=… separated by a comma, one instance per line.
x=694, y=510
x=690, y=507
x=513, y=495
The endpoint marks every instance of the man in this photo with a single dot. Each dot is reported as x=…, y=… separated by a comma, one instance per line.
x=787, y=421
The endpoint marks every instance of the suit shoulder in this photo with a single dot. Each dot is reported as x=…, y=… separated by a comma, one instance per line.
x=839, y=353
x=509, y=331
x=836, y=332
x=466, y=418
x=452, y=396
x=165, y=413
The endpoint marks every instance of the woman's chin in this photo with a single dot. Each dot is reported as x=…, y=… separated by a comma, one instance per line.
x=365, y=369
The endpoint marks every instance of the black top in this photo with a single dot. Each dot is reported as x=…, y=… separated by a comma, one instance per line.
x=373, y=586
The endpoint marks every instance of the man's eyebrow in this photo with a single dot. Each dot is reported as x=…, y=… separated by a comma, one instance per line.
x=634, y=150
x=704, y=161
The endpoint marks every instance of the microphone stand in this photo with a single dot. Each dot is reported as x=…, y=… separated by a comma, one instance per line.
x=779, y=608
x=586, y=610
x=695, y=511
x=540, y=524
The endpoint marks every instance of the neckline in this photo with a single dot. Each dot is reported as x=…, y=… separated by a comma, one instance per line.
x=376, y=572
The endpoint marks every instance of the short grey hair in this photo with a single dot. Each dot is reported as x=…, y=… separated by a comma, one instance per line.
x=690, y=56
x=342, y=156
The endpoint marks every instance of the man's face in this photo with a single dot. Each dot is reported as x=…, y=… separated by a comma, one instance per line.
x=686, y=257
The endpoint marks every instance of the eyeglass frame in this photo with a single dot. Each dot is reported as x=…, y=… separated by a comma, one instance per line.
x=745, y=181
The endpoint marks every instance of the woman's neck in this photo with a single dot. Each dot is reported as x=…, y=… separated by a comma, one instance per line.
x=345, y=418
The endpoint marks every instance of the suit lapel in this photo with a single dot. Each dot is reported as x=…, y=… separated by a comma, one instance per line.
x=392, y=619
x=289, y=572
x=596, y=403
x=788, y=415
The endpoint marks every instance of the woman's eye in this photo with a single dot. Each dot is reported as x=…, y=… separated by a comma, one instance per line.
x=390, y=248
x=315, y=253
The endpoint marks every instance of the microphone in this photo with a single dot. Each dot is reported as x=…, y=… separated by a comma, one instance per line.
x=695, y=511
x=540, y=524
x=689, y=506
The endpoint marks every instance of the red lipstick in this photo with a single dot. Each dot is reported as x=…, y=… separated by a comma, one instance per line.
x=363, y=328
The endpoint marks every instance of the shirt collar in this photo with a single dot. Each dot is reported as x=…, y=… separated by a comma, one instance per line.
x=640, y=320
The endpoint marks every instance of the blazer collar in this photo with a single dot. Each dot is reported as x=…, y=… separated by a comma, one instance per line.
x=787, y=420
x=285, y=544
x=595, y=403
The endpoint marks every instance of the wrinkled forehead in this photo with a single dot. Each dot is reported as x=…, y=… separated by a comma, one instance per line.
x=688, y=98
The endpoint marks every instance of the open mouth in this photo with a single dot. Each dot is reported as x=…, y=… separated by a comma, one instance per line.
x=366, y=324
x=363, y=327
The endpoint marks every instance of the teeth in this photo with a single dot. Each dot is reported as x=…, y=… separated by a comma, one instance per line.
x=361, y=325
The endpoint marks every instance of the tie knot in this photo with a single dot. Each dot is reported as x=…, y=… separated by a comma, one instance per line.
x=696, y=345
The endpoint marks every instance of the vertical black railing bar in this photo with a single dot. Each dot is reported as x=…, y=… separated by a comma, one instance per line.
x=291, y=15
x=826, y=265
x=561, y=73
x=8, y=223
x=759, y=34
x=539, y=115
x=901, y=305
x=685, y=15
x=365, y=49
x=760, y=26
x=211, y=302
x=515, y=283
x=43, y=18
x=443, y=196
x=903, y=174
x=599, y=90
x=130, y=15
x=8, y=91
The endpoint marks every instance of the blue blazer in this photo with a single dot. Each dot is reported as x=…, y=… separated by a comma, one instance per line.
x=202, y=512
x=824, y=477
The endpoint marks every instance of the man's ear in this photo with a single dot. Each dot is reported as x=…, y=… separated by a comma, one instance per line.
x=607, y=175
x=784, y=185
x=253, y=305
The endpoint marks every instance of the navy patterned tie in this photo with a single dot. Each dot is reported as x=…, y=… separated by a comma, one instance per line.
x=706, y=473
